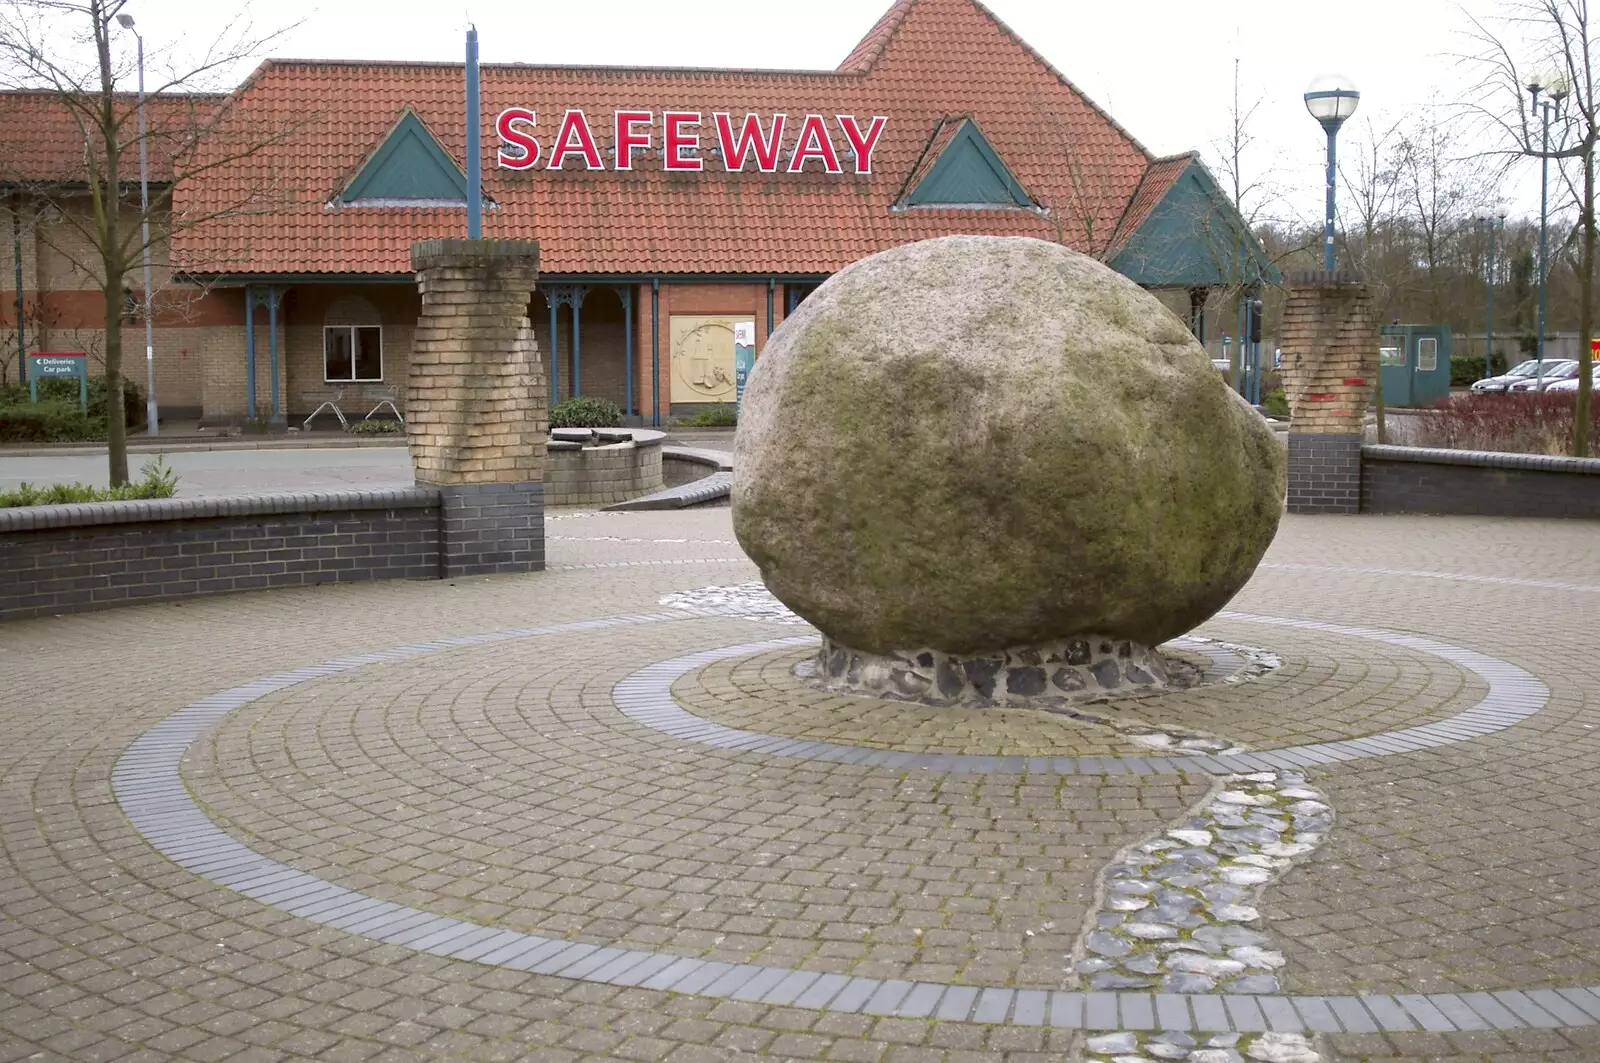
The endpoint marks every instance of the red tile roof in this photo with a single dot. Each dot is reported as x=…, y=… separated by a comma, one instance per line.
x=45, y=142
x=924, y=60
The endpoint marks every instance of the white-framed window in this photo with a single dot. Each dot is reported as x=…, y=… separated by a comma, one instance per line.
x=352, y=353
x=1427, y=354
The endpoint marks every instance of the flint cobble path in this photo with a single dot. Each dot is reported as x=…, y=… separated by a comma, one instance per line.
x=499, y=784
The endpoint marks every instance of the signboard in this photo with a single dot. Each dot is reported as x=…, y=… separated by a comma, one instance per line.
x=744, y=357
x=777, y=143
x=59, y=364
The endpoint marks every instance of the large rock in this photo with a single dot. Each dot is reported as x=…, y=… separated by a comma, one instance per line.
x=979, y=443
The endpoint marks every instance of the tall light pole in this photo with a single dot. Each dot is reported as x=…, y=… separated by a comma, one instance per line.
x=1491, y=223
x=1549, y=108
x=1331, y=99
x=151, y=420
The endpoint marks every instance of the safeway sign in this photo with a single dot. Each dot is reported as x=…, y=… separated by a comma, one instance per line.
x=767, y=145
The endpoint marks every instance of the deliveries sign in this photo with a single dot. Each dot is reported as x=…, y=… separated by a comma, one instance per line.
x=740, y=143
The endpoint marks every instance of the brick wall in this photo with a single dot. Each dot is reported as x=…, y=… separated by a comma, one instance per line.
x=575, y=475
x=1324, y=473
x=62, y=559
x=1330, y=359
x=1458, y=482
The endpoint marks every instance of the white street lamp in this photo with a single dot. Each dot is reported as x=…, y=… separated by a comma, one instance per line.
x=152, y=425
x=1331, y=99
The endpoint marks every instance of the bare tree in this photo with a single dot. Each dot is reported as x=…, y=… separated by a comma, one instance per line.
x=66, y=48
x=1554, y=36
x=1370, y=171
x=1439, y=193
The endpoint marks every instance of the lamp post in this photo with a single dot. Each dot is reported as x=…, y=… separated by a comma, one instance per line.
x=1492, y=224
x=1549, y=108
x=1331, y=99
x=151, y=420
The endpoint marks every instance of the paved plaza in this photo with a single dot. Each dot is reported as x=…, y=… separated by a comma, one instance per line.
x=599, y=813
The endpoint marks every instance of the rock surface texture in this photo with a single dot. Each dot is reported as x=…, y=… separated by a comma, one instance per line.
x=977, y=444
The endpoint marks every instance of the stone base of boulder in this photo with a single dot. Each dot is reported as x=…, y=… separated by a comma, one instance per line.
x=1069, y=672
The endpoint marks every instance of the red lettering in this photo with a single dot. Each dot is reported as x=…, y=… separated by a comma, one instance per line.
x=506, y=126
x=575, y=138
x=813, y=143
x=861, y=144
x=734, y=149
x=627, y=139
x=674, y=141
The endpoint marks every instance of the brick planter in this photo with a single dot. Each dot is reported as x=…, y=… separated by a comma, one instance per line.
x=618, y=465
x=1477, y=483
x=67, y=559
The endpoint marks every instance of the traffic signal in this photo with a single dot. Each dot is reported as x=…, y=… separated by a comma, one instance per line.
x=1254, y=313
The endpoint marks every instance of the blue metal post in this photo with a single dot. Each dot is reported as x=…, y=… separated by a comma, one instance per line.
x=474, y=151
x=1327, y=221
x=627, y=342
x=249, y=351
x=274, y=296
x=1488, y=333
x=655, y=351
x=551, y=298
x=576, y=302
x=1544, y=201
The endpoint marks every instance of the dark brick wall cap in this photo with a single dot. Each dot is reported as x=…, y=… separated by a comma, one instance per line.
x=85, y=514
x=459, y=252
x=1482, y=459
x=1319, y=278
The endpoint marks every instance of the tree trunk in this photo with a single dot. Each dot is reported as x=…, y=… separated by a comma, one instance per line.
x=112, y=260
x=1580, y=429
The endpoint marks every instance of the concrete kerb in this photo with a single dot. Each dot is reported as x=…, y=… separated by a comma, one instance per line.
x=150, y=790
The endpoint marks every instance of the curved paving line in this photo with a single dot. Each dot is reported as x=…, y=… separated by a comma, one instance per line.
x=150, y=790
x=1514, y=695
x=1458, y=577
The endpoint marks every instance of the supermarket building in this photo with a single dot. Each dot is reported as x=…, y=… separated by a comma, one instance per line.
x=671, y=206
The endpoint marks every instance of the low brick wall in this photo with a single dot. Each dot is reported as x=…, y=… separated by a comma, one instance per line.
x=61, y=559
x=1474, y=483
x=625, y=464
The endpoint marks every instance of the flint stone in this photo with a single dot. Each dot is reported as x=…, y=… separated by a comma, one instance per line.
x=1108, y=1043
x=1187, y=982
x=914, y=376
x=1253, y=983
x=1106, y=944
x=1282, y=1048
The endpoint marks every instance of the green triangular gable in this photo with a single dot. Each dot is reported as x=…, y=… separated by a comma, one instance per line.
x=409, y=165
x=1194, y=237
x=968, y=172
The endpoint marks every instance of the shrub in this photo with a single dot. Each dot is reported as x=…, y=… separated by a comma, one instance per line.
x=48, y=422
x=1517, y=423
x=719, y=416
x=1467, y=368
x=156, y=480
x=585, y=411
x=381, y=427
x=21, y=421
x=1277, y=404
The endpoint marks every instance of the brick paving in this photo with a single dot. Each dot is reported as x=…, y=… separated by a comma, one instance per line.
x=498, y=784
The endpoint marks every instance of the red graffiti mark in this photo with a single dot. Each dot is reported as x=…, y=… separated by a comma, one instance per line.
x=1355, y=381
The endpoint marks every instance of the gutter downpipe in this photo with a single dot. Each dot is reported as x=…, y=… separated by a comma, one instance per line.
x=655, y=352
x=771, y=283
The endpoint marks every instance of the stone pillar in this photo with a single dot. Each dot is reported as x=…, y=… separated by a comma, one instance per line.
x=476, y=406
x=1330, y=358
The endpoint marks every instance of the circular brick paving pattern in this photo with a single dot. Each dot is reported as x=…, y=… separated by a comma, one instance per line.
x=1454, y=869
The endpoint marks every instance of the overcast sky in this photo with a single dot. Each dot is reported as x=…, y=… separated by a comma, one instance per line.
x=1163, y=68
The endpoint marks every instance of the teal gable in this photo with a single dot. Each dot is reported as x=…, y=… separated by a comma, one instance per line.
x=1191, y=237
x=968, y=172
x=409, y=167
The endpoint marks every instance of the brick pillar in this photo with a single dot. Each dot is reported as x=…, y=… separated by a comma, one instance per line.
x=477, y=403
x=1330, y=356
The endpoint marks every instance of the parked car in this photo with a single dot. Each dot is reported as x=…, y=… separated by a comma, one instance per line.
x=1571, y=382
x=1503, y=382
x=1562, y=369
